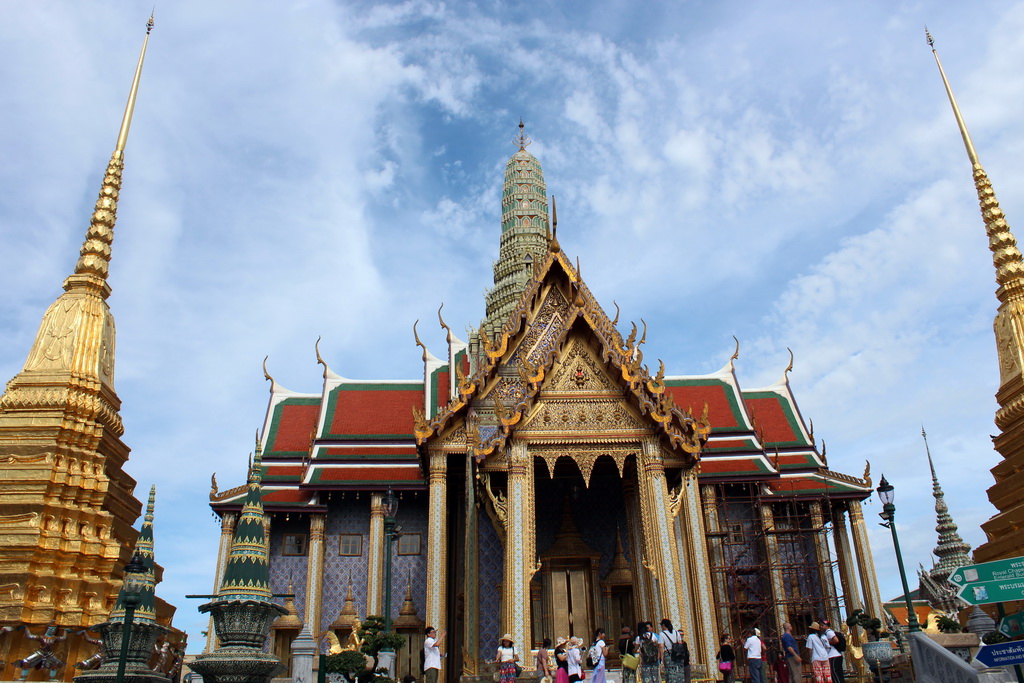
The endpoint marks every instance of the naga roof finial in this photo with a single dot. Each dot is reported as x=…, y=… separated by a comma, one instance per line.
x=736, y=353
x=444, y=326
x=320, y=359
x=266, y=375
x=789, y=368
x=616, y=321
x=553, y=245
x=418, y=342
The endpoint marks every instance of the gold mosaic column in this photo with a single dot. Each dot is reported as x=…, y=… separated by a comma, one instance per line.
x=716, y=553
x=704, y=638
x=437, y=543
x=865, y=563
x=227, y=532
x=642, y=593
x=774, y=572
x=847, y=575
x=687, y=626
x=828, y=589
x=315, y=573
x=375, y=557
x=657, y=524
x=520, y=544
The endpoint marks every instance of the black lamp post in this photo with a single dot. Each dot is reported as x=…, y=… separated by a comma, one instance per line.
x=390, y=510
x=131, y=593
x=886, y=494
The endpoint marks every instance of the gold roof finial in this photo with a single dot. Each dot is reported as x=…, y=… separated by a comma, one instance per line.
x=94, y=259
x=1006, y=257
x=553, y=244
x=736, y=353
x=522, y=139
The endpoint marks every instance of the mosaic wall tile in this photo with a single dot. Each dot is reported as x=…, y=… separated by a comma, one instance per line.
x=348, y=515
x=492, y=558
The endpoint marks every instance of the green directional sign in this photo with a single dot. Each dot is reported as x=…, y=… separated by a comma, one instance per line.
x=1012, y=625
x=985, y=592
x=1000, y=570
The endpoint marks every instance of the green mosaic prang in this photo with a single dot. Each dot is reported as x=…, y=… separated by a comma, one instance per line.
x=146, y=610
x=247, y=572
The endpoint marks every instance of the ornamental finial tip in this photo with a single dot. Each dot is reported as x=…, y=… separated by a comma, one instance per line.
x=522, y=139
x=928, y=37
x=150, y=24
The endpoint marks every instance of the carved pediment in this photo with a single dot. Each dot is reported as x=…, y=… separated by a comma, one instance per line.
x=578, y=371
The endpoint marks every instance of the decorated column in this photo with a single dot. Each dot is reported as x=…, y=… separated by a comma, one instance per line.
x=847, y=574
x=775, y=571
x=831, y=607
x=520, y=545
x=437, y=542
x=716, y=553
x=704, y=636
x=658, y=533
x=865, y=563
x=315, y=572
x=643, y=593
x=375, y=568
x=471, y=577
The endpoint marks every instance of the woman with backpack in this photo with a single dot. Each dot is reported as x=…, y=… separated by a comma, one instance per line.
x=650, y=654
x=598, y=651
x=675, y=654
x=627, y=648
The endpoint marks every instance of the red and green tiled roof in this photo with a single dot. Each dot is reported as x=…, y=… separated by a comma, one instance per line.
x=724, y=409
x=292, y=425
x=730, y=444
x=814, y=484
x=775, y=418
x=440, y=385
x=371, y=411
x=755, y=465
x=367, y=452
x=398, y=476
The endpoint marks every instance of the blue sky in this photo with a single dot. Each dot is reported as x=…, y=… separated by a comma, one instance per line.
x=789, y=173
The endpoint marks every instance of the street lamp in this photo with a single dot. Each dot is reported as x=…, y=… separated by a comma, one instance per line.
x=886, y=494
x=390, y=510
x=131, y=594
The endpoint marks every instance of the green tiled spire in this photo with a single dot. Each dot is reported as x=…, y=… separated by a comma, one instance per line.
x=524, y=231
x=247, y=573
x=146, y=611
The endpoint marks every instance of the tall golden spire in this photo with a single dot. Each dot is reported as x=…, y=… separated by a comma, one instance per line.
x=60, y=437
x=93, y=263
x=1005, y=255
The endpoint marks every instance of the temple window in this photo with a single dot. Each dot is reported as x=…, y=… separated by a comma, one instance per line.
x=294, y=544
x=409, y=544
x=350, y=545
x=735, y=533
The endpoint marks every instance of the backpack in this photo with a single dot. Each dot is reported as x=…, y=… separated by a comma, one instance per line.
x=593, y=655
x=648, y=650
x=679, y=652
x=840, y=645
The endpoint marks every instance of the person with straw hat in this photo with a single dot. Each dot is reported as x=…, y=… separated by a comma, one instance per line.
x=561, y=660
x=506, y=659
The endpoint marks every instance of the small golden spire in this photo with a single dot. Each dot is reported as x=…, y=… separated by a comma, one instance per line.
x=94, y=260
x=553, y=244
x=1006, y=257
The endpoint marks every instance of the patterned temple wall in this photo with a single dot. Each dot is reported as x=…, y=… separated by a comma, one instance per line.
x=492, y=559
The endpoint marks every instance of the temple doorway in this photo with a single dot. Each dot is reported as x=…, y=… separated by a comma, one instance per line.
x=580, y=548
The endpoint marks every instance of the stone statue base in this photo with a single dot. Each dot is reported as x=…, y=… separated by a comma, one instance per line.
x=242, y=627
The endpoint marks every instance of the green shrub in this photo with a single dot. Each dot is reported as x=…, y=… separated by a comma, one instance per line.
x=349, y=663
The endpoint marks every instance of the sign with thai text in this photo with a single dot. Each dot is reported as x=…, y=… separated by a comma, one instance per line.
x=1003, y=654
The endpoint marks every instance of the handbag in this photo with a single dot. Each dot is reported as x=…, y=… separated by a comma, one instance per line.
x=630, y=662
x=519, y=671
x=725, y=666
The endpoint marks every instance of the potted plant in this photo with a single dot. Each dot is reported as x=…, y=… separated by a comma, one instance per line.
x=878, y=649
x=376, y=640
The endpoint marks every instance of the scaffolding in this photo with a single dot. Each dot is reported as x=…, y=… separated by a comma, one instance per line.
x=773, y=559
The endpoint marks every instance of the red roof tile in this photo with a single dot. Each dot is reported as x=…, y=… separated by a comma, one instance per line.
x=771, y=418
x=287, y=496
x=722, y=407
x=372, y=410
x=369, y=474
x=293, y=426
x=731, y=466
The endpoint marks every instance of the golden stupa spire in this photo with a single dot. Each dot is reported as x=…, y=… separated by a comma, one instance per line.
x=94, y=261
x=1005, y=255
